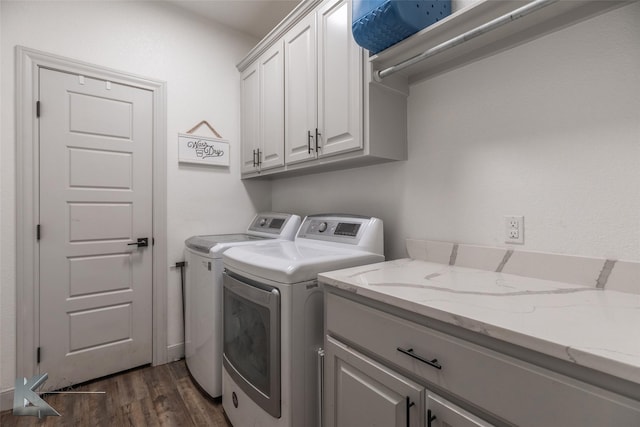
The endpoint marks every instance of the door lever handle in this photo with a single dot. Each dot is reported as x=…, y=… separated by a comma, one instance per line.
x=142, y=242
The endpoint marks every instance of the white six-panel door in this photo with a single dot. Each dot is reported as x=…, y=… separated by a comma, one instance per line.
x=95, y=199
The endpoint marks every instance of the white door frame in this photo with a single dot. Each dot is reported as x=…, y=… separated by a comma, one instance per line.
x=27, y=258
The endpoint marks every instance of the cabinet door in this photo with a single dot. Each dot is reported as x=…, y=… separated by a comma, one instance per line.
x=443, y=413
x=250, y=131
x=272, y=107
x=339, y=80
x=360, y=392
x=300, y=90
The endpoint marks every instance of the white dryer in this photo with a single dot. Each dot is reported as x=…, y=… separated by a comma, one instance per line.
x=273, y=318
x=203, y=292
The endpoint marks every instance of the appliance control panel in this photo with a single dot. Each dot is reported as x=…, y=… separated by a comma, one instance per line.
x=272, y=223
x=337, y=228
x=333, y=228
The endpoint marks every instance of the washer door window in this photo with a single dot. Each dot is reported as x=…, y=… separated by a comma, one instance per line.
x=252, y=340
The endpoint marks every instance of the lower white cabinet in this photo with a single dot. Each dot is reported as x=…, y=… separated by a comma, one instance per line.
x=375, y=359
x=363, y=393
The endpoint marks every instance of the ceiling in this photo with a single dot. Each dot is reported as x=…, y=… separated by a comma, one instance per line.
x=253, y=17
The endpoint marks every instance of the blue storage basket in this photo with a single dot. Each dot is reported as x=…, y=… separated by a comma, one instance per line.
x=378, y=24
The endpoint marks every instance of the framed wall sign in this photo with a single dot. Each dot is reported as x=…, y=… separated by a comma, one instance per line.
x=203, y=150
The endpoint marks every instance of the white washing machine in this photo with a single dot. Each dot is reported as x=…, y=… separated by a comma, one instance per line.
x=203, y=292
x=273, y=318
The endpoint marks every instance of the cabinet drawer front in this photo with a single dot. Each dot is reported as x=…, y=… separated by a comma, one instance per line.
x=517, y=391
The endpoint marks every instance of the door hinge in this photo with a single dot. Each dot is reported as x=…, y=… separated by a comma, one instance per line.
x=38, y=232
x=38, y=355
x=37, y=108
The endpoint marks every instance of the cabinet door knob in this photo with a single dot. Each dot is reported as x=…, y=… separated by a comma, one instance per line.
x=409, y=352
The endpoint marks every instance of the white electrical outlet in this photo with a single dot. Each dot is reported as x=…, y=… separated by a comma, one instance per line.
x=514, y=229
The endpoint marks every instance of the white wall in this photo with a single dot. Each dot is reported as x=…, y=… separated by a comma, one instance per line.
x=156, y=40
x=6, y=315
x=549, y=130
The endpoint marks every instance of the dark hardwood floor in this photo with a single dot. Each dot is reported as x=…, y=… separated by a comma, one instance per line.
x=150, y=396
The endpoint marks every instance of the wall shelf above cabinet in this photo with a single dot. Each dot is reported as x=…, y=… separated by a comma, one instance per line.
x=550, y=18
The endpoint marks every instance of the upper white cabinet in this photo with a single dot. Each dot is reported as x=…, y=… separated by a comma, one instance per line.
x=333, y=114
x=250, y=104
x=340, y=81
x=300, y=90
x=323, y=85
x=271, y=108
x=329, y=111
x=262, y=87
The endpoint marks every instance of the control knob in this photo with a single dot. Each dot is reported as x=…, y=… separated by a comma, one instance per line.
x=322, y=227
x=263, y=221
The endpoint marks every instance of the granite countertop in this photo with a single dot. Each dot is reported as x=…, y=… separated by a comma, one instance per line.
x=591, y=327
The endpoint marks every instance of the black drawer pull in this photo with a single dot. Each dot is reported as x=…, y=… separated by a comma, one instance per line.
x=410, y=352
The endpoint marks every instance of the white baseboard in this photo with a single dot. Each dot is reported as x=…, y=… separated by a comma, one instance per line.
x=6, y=399
x=175, y=352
